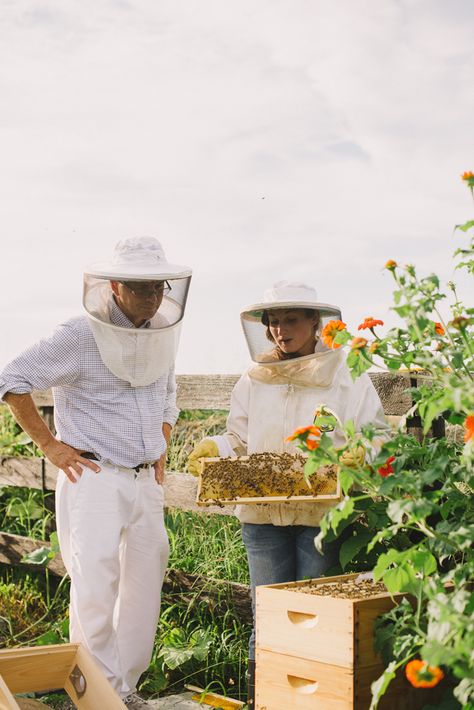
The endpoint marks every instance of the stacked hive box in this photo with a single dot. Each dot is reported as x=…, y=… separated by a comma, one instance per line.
x=316, y=652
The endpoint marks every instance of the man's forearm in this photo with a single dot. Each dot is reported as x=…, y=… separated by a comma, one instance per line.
x=25, y=412
x=167, y=432
x=65, y=457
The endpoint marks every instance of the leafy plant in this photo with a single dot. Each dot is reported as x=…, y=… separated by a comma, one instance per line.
x=410, y=504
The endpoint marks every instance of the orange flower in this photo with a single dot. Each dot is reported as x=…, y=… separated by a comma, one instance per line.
x=330, y=331
x=374, y=347
x=391, y=265
x=387, y=467
x=358, y=343
x=421, y=675
x=311, y=429
x=468, y=175
x=312, y=444
x=439, y=329
x=369, y=322
x=469, y=425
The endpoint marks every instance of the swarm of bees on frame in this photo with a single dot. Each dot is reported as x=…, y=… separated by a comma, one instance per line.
x=266, y=475
x=342, y=589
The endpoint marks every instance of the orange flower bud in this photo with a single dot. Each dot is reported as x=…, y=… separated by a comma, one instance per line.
x=439, y=329
x=460, y=323
x=358, y=343
x=468, y=175
x=391, y=265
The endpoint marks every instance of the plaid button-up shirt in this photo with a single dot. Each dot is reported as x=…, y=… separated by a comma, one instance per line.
x=94, y=410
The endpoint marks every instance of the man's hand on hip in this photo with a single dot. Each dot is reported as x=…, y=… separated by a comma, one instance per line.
x=68, y=459
x=159, y=467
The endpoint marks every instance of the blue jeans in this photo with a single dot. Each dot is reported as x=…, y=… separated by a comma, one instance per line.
x=287, y=553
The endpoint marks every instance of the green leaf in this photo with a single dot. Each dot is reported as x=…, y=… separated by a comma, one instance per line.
x=385, y=560
x=342, y=511
x=342, y=337
x=41, y=556
x=347, y=479
x=175, y=657
x=349, y=428
x=397, y=580
x=352, y=546
x=48, y=638
x=379, y=686
x=423, y=561
x=54, y=542
x=464, y=692
x=466, y=226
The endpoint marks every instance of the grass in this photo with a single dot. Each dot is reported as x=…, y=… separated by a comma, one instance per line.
x=194, y=644
x=190, y=428
x=210, y=545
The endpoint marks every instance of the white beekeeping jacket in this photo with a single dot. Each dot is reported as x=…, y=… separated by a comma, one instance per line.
x=269, y=403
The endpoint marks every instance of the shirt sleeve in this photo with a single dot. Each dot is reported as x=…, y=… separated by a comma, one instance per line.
x=171, y=411
x=51, y=362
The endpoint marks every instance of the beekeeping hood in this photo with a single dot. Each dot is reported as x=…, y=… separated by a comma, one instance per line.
x=316, y=369
x=137, y=355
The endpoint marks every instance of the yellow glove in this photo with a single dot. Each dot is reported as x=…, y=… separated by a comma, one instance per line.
x=207, y=448
x=352, y=458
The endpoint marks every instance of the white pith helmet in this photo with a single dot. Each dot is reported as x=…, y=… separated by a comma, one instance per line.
x=288, y=294
x=138, y=258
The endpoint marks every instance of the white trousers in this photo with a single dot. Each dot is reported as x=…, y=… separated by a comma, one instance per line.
x=115, y=548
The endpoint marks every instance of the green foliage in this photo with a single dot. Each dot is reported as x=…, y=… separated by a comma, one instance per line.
x=13, y=441
x=409, y=512
x=210, y=545
x=191, y=427
x=194, y=643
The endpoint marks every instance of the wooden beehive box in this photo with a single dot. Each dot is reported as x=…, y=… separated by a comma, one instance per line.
x=264, y=478
x=315, y=652
x=68, y=666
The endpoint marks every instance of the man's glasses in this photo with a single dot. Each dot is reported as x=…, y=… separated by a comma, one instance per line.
x=147, y=288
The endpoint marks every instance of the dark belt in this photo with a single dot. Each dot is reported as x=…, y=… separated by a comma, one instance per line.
x=92, y=457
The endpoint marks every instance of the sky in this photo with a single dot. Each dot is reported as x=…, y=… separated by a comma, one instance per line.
x=259, y=140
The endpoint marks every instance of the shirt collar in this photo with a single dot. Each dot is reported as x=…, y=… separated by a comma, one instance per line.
x=118, y=317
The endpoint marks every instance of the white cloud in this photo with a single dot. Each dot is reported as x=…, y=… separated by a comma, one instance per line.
x=263, y=140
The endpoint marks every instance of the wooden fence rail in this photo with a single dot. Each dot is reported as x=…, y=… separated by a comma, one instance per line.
x=213, y=392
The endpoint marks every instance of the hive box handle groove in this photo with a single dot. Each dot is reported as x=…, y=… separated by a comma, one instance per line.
x=303, y=685
x=306, y=621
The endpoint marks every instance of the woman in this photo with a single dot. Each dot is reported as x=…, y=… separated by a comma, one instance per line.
x=280, y=391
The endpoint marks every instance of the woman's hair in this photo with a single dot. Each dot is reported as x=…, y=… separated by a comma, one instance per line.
x=278, y=352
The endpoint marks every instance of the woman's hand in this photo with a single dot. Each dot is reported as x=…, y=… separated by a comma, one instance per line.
x=207, y=448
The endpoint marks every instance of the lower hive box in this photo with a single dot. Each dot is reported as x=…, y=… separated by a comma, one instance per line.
x=264, y=478
x=315, y=650
x=67, y=666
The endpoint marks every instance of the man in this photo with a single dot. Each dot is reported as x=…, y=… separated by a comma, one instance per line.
x=112, y=374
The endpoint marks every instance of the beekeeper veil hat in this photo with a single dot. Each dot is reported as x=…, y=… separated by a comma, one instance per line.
x=137, y=285
x=284, y=297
